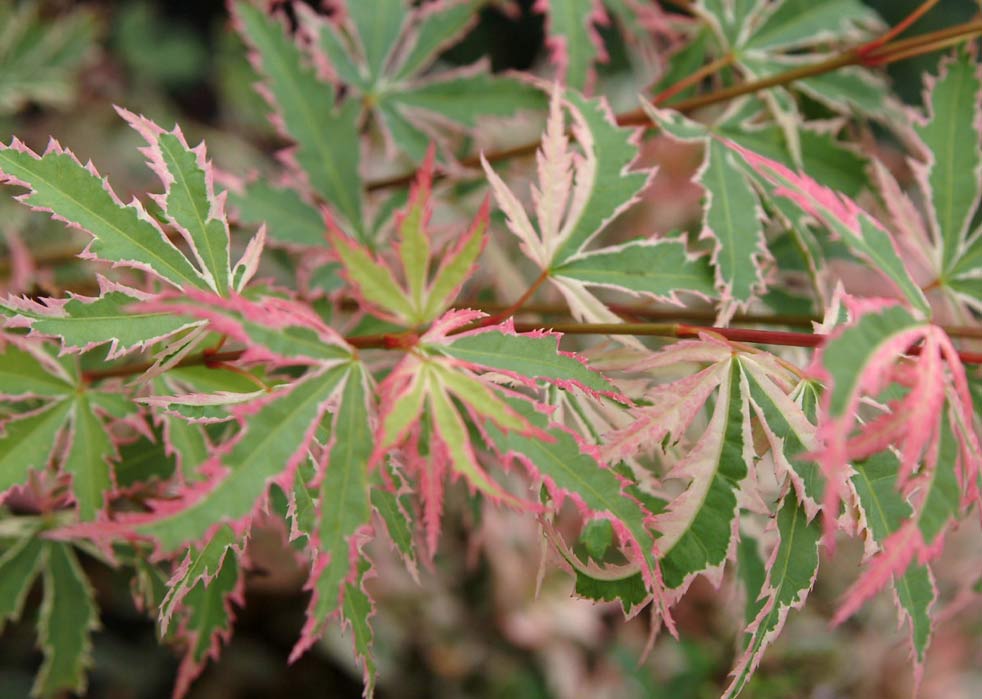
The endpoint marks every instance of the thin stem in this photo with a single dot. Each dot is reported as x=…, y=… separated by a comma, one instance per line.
x=510, y=310
x=694, y=78
x=900, y=27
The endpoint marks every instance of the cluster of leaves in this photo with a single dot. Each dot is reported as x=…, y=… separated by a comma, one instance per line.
x=341, y=401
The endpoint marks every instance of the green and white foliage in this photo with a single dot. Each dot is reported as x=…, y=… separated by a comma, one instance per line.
x=209, y=391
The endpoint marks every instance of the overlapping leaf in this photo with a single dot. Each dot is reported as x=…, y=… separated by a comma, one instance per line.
x=863, y=359
x=128, y=236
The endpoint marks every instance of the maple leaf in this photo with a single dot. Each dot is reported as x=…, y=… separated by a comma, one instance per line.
x=766, y=38
x=427, y=289
x=68, y=613
x=937, y=237
x=130, y=237
x=862, y=359
x=578, y=195
x=381, y=54
x=67, y=429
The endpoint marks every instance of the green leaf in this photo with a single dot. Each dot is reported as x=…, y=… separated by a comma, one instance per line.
x=753, y=576
x=398, y=515
x=378, y=24
x=952, y=136
x=571, y=35
x=289, y=219
x=435, y=30
x=68, y=617
x=374, y=280
x=271, y=439
x=27, y=443
x=697, y=527
x=86, y=324
x=356, y=611
x=19, y=566
x=191, y=205
x=629, y=591
x=87, y=459
x=41, y=55
x=60, y=185
x=344, y=506
x=208, y=620
x=916, y=594
x=22, y=374
x=732, y=217
x=597, y=536
x=531, y=356
x=885, y=512
x=457, y=265
x=789, y=579
x=567, y=470
x=463, y=100
x=861, y=233
x=792, y=425
x=659, y=268
x=799, y=22
x=328, y=149
x=201, y=566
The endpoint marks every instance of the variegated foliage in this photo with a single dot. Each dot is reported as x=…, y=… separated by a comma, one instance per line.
x=160, y=424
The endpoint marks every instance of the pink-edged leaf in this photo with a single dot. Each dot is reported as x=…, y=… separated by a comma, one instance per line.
x=698, y=527
x=82, y=323
x=343, y=508
x=275, y=436
x=950, y=173
x=76, y=194
x=569, y=468
x=189, y=199
x=273, y=329
x=861, y=359
x=858, y=229
x=573, y=40
x=524, y=357
x=207, y=619
x=791, y=572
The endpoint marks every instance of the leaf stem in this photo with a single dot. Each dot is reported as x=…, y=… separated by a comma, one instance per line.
x=694, y=78
x=518, y=305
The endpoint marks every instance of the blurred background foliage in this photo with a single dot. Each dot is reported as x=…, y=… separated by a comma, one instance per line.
x=473, y=626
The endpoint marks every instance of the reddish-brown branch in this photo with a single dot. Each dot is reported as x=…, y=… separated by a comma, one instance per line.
x=407, y=340
x=898, y=28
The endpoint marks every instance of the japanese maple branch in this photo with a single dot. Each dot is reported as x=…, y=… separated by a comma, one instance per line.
x=861, y=55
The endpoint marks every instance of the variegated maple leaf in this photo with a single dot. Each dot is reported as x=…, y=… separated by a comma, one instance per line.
x=423, y=289
x=128, y=236
x=67, y=430
x=938, y=239
x=579, y=193
x=698, y=527
x=927, y=415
